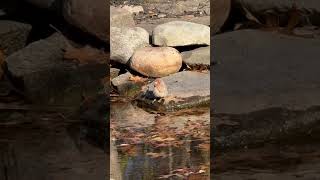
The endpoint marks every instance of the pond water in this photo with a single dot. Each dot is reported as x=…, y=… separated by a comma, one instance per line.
x=153, y=145
x=47, y=146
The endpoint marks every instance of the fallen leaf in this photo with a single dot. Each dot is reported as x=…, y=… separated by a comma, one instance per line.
x=85, y=55
x=137, y=79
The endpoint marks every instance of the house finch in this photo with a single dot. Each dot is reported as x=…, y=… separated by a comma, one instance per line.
x=160, y=89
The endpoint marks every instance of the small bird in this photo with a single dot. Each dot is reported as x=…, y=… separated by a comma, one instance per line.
x=160, y=89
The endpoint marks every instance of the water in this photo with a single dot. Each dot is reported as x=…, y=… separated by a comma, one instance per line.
x=153, y=145
x=43, y=146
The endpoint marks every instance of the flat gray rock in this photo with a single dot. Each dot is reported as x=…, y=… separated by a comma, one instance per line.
x=259, y=70
x=13, y=35
x=199, y=56
x=185, y=90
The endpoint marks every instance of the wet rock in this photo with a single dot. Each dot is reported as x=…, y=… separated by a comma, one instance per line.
x=114, y=72
x=149, y=25
x=125, y=86
x=40, y=72
x=185, y=89
x=199, y=56
x=181, y=33
x=156, y=61
x=89, y=16
x=121, y=17
x=124, y=41
x=265, y=88
x=127, y=115
x=220, y=13
x=13, y=35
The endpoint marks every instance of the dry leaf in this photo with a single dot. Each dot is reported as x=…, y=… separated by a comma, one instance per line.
x=85, y=55
x=137, y=79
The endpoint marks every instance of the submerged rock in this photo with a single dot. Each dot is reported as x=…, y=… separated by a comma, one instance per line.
x=185, y=90
x=13, y=35
x=156, y=61
x=181, y=33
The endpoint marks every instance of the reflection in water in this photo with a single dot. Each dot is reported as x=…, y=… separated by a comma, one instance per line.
x=48, y=147
x=166, y=146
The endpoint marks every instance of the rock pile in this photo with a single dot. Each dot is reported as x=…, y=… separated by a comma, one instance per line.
x=161, y=54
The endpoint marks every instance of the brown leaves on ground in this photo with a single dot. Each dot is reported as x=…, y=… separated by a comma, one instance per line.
x=86, y=55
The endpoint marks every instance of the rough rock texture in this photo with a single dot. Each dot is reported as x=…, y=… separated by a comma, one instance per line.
x=181, y=33
x=220, y=13
x=114, y=72
x=120, y=17
x=156, y=61
x=265, y=88
x=185, y=89
x=125, y=86
x=266, y=70
x=310, y=9
x=124, y=41
x=13, y=35
x=199, y=56
x=89, y=16
x=149, y=25
x=45, y=78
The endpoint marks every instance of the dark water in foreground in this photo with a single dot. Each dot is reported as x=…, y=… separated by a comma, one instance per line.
x=161, y=146
x=47, y=147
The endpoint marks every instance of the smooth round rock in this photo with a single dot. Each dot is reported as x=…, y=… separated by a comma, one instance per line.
x=181, y=33
x=156, y=61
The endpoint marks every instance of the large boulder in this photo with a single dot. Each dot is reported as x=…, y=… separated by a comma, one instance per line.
x=13, y=35
x=124, y=41
x=310, y=9
x=89, y=16
x=121, y=17
x=220, y=13
x=265, y=88
x=181, y=33
x=156, y=61
x=40, y=72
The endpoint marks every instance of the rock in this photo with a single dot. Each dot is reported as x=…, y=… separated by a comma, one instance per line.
x=127, y=115
x=40, y=72
x=120, y=17
x=89, y=16
x=133, y=9
x=199, y=56
x=149, y=25
x=45, y=4
x=310, y=10
x=13, y=35
x=185, y=90
x=124, y=41
x=266, y=88
x=271, y=70
x=125, y=86
x=181, y=33
x=156, y=61
x=220, y=13
x=114, y=72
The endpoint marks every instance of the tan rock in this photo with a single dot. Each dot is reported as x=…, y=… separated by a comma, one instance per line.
x=156, y=61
